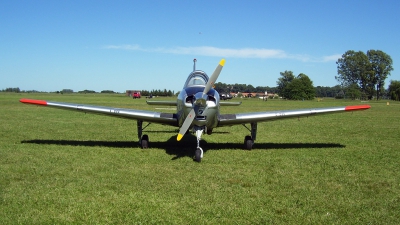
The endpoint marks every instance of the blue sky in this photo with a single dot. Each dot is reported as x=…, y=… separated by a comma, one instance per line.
x=145, y=45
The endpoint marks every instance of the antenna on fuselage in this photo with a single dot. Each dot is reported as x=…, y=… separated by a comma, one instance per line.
x=194, y=64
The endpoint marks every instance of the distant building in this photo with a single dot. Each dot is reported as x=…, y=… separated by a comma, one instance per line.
x=254, y=94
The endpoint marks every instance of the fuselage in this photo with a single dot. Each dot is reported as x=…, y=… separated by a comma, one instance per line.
x=206, y=106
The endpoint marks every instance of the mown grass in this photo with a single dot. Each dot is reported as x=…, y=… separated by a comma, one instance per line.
x=64, y=167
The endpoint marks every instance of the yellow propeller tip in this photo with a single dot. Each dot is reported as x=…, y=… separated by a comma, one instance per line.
x=179, y=137
x=222, y=62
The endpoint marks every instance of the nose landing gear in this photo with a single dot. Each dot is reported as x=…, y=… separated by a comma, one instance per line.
x=198, y=154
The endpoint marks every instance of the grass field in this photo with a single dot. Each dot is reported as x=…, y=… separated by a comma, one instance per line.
x=63, y=167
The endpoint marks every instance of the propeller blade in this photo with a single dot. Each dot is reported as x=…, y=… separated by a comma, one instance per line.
x=186, y=124
x=214, y=76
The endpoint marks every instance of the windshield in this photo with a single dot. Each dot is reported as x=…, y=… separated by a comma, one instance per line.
x=197, y=78
x=196, y=81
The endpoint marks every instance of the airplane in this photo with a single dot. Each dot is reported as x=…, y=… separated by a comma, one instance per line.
x=198, y=110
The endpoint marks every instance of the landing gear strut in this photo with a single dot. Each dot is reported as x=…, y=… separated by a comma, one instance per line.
x=249, y=140
x=198, y=154
x=143, y=140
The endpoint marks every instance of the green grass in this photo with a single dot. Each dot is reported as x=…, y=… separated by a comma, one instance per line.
x=63, y=167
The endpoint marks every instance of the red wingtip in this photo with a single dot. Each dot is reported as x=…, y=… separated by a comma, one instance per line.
x=357, y=107
x=32, y=101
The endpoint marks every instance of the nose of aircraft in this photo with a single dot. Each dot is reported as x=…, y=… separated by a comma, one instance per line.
x=200, y=99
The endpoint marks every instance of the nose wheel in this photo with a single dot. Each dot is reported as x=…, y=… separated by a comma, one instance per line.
x=198, y=154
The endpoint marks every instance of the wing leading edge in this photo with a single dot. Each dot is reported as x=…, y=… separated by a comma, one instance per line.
x=149, y=116
x=242, y=118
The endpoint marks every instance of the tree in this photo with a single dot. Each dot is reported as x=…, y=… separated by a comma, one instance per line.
x=394, y=90
x=221, y=87
x=354, y=68
x=16, y=90
x=283, y=82
x=85, y=91
x=295, y=88
x=107, y=92
x=330, y=92
x=353, y=92
x=369, y=71
x=227, y=88
x=250, y=88
x=300, y=88
x=381, y=65
x=64, y=91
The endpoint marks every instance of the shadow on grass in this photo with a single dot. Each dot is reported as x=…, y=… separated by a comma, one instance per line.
x=176, y=131
x=111, y=144
x=186, y=147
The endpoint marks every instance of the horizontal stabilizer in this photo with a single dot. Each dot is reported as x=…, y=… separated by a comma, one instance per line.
x=229, y=103
x=174, y=103
x=168, y=103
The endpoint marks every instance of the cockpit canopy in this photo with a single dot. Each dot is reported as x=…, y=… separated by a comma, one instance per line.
x=196, y=78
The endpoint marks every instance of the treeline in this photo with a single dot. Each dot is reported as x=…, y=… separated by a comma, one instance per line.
x=17, y=90
x=164, y=92
x=246, y=88
x=320, y=91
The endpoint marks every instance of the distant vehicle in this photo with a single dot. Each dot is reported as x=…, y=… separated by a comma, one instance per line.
x=225, y=96
x=136, y=94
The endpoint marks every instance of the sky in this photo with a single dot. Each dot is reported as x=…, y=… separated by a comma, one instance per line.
x=149, y=45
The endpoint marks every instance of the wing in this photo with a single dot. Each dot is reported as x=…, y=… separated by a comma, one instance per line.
x=242, y=118
x=149, y=116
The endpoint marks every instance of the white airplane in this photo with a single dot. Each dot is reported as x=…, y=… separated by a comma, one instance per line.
x=198, y=109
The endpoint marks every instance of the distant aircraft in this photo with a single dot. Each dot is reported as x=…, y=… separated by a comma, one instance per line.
x=198, y=109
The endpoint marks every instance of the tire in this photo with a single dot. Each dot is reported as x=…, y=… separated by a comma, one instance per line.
x=197, y=155
x=248, y=143
x=145, y=141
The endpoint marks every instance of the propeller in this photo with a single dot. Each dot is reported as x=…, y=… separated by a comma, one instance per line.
x=201, y=101
x=214, y=76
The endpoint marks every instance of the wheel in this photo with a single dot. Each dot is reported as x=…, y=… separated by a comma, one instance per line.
x=248, y=143
x=197, y=155
x=145, y=141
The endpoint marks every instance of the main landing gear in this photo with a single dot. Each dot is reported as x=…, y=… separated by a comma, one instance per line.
x=143, y=140
x=249, y=140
